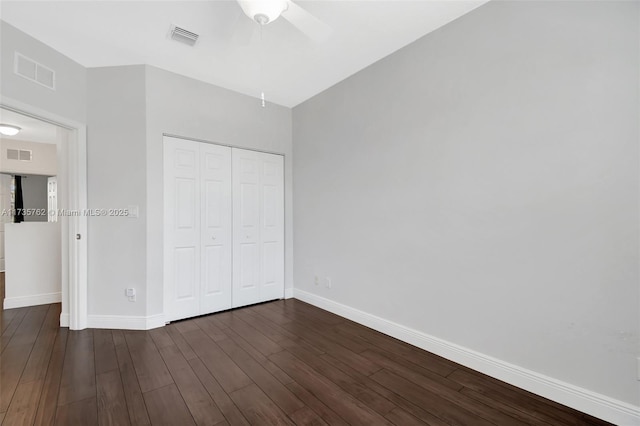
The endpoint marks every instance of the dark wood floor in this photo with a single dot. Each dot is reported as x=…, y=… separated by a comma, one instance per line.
x=283, y=362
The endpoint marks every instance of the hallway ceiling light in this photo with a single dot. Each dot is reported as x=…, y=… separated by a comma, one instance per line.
x=9, y=130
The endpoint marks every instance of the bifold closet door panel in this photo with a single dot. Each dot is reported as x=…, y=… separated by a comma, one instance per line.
x=224, y=227
x=198, y=227
x=258, y=227
x=216, y=232
x=181, y=228
x=272, y=227
x=246, y=227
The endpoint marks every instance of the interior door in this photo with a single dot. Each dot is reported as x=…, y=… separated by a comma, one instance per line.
x=216, y=221
x=182, y=212
x=258, y=227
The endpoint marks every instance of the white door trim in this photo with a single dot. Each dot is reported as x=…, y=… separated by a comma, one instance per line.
x=74, y=251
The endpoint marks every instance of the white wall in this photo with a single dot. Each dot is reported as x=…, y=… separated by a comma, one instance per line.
x=481, y=186
x=182, y=106
x=116, y=150
x=33, y=272
x=125, y=161
x=44, y=159
x=69, y=98
x=125, y=168
x=67, y=103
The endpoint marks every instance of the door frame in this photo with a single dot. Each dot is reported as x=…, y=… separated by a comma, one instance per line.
x=74, y=173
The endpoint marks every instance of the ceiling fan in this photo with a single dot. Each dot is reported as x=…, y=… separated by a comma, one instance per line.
x=266, y=11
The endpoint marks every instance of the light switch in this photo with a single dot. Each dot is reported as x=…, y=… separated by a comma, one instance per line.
x=134, y=212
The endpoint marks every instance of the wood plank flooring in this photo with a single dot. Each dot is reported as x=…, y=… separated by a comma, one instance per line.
x=278, y=363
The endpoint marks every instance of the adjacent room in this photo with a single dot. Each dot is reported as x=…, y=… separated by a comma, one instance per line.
x=30, y=258
x=375, y=212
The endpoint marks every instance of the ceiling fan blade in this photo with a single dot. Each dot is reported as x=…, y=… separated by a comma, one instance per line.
x=304, y=21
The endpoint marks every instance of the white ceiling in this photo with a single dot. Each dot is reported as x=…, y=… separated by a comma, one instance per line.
x=294, y=68
x=32, y=129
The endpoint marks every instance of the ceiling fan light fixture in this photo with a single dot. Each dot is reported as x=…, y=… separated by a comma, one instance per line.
x=9, y=129
x=263, y=11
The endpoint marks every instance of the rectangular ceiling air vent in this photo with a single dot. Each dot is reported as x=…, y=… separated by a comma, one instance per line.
x=19, y=154
x=34, y=71
x=183, y=36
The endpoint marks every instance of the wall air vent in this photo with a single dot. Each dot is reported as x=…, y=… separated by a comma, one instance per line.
x=183, y=36
x=19, y=154
x=13, y=154
x=25, y=155
x=32, y=70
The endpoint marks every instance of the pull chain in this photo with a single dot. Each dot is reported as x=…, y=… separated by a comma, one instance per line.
x=263, y=102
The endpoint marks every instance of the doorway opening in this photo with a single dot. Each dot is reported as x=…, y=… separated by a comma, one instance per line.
x=42, y=205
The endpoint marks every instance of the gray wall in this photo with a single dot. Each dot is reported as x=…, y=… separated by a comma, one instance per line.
x=129, y=110
x=68, y=101
x=481, y=186
x=182, y=106
x=116, y=151
x=34, y=193
x=126, y=110
x=69, y=98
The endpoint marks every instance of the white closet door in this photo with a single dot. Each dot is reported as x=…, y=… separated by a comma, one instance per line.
x=272, y=227
x=182, y=228
x=258, y=231
x=216, y=220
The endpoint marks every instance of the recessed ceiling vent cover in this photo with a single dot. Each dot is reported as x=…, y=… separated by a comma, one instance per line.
x=31, y=70
x=183, y=36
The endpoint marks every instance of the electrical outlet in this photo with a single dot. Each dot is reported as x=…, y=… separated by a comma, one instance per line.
x=317, y=280
x=131, y=294
x=328, y=282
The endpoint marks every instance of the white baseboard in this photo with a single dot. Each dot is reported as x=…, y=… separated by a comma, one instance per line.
x=595, y=404
x=155, y=321
x=38, y=299
x=122, y=322
x=64, y=320
x=288, y=293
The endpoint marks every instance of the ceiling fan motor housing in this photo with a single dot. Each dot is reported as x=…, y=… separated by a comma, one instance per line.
x=263, y=11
